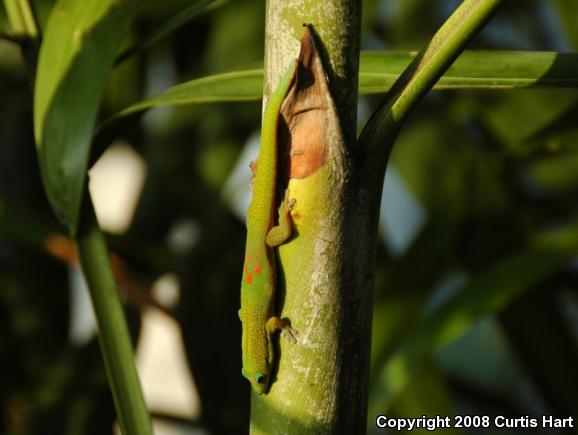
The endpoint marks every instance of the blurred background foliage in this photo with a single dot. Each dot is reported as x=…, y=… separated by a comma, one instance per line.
x=476, y=309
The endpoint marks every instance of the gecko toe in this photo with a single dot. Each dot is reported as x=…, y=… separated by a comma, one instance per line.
x=290, y=334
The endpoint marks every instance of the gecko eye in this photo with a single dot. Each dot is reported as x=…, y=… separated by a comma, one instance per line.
x=260, y=379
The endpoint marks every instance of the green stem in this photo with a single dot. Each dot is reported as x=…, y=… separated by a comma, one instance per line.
x=24, y=31
x=320, y=384
x=21, y=18
x=421, y=75
x=380, y=132
x=113, y=335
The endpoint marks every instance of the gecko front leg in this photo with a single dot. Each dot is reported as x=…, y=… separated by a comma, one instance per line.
x=280, y=233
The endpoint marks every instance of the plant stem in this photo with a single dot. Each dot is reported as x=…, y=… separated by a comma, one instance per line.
x=380, y=132
x=114, y=337
x=21, y=18
x=316, y=390
x=24, y=31
x=321, y=384
x=424, y=71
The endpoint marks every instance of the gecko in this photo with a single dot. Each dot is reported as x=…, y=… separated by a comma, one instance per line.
x=259, y=282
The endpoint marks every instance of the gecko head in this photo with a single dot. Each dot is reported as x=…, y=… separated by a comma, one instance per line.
x=260, y=383
x=259, y=380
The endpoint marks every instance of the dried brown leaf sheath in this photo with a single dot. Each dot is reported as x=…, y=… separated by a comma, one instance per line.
x=311, y=134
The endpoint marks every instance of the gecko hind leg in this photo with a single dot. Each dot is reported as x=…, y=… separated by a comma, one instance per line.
x=277, y=324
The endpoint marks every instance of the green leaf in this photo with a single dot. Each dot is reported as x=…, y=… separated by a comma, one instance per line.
x=378, y=71
x=81, y=41
x=483, y=295
x=477, y=70
x=234, y=86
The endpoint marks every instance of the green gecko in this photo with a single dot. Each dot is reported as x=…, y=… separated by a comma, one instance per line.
x=259, y=283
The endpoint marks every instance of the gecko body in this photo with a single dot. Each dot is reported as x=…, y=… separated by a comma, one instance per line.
x=264, y=234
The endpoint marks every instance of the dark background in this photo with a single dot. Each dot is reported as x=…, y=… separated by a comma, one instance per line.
x=476, y=176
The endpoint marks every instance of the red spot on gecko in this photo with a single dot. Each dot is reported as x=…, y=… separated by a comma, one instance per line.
x=248, y=275
x=258, y=269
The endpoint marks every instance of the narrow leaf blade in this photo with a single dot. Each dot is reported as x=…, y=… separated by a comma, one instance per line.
x=477, y=70
x=379, y=70
x=80, y=44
